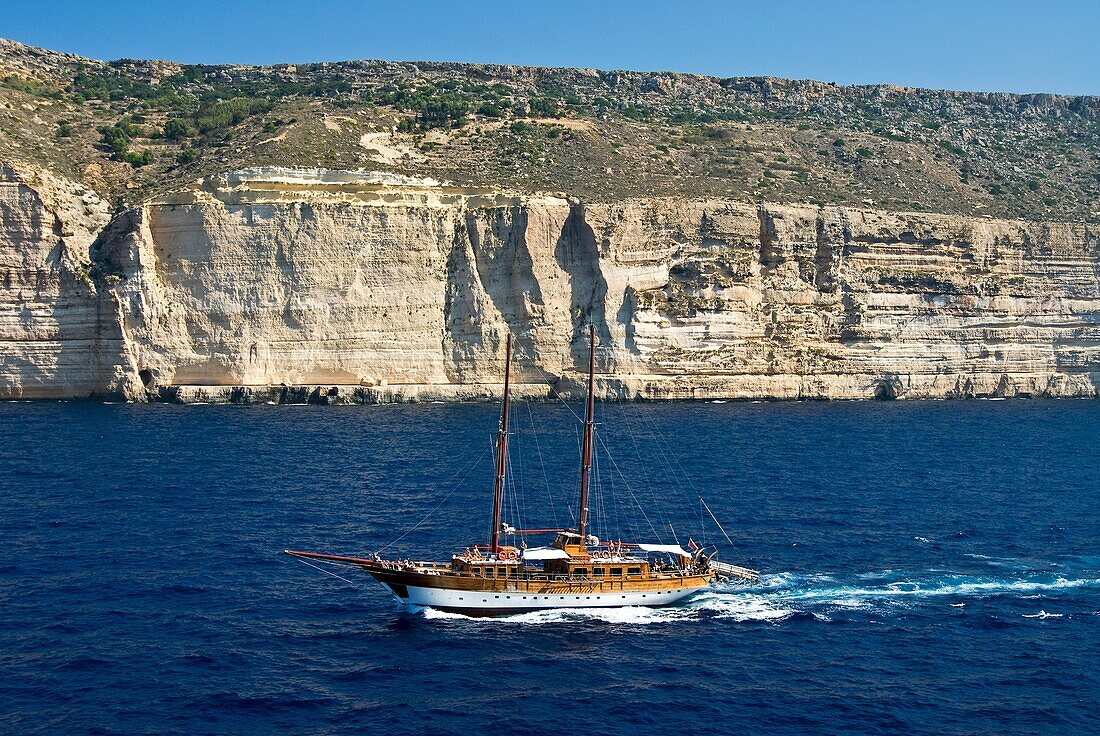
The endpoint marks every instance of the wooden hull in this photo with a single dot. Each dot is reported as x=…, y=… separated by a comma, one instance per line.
x=487, y=597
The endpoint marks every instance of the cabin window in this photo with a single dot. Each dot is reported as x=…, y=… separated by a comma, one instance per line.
x=597, y=571
x=476, y=570
x=580, y=571
x=633, y=571
x=616, y=571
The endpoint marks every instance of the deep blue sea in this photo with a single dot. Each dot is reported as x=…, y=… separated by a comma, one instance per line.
x=928, y=567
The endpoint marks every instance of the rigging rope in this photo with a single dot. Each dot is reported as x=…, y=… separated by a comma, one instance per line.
x=719, y=525
x=691, y=485
x=516, y=497
x=628, y=424
x=628, y=487
x=469, y=469
x=542, y=464
x=326, y=572
x=556, y=395
x=666, y=455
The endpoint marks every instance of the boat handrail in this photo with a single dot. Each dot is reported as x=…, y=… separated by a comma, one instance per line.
x=557, y=578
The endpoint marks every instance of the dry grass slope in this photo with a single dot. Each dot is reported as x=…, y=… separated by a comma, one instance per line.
x=134, y=129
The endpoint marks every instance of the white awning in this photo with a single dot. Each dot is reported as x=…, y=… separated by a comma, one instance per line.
x=544, y=553
x=672, y=548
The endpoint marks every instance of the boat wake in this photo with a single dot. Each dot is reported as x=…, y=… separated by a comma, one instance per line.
x=787, y=597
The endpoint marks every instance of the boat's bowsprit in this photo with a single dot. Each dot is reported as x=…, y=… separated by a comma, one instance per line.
x=330, y=558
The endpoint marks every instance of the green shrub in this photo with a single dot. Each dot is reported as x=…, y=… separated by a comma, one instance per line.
x=136, y=159
x=117, y=138
x=109, y=85
x=432, y=111
x=490, y=110
x=30, y=87
x=227, y=113
x=177, y=129
x=545, y=107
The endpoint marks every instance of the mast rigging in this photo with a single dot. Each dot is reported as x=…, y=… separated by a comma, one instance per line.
x=502, y=450
x=586, y=452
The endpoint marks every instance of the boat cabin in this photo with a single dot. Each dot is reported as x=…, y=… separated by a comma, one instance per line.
x=599, y=569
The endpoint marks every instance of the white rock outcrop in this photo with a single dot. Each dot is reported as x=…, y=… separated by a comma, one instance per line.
x=59, y=332
x=405, y=288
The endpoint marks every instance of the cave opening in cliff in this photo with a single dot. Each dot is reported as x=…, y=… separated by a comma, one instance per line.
x=146, y=377
x=886, y=389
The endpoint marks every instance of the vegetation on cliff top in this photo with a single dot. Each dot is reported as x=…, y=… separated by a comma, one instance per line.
x=133, y=128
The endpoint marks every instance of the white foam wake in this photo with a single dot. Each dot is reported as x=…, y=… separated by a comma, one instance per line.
x=782, y=595
x=907, y=590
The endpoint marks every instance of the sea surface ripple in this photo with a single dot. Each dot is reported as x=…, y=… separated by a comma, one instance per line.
x=929, y=567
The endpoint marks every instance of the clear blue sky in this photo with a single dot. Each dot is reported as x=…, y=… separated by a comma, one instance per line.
x=1005, y=45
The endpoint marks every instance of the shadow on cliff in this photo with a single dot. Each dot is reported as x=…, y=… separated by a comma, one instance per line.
x=493, y=254
x=114, y=259
x=578, y=254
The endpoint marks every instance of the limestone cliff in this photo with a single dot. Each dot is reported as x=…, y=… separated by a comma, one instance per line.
x=379, y=287
x=59, y=331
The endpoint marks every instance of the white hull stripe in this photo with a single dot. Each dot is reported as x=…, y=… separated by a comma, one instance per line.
x=505, y=601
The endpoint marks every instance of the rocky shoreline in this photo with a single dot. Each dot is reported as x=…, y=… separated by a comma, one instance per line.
x=613, y=389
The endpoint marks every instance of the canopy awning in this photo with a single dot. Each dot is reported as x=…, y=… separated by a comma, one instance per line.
x=671, y=548
x=545, y=553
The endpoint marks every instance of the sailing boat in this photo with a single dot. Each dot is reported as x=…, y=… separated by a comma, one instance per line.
x=575, y=570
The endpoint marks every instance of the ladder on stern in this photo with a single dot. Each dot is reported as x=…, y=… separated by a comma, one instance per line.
x=725, y=571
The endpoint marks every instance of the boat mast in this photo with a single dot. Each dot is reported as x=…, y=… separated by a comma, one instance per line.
x=586, y=453
x=502, y=450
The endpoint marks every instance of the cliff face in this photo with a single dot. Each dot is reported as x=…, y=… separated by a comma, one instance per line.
x=59, y=333
x=405, y=287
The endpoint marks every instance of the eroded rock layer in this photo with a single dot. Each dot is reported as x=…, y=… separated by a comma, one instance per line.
x=59, y=332
x=381, y=288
